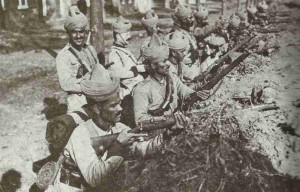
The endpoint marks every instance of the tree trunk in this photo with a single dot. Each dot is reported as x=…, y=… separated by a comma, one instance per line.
x=96, y=23
x=238, y=5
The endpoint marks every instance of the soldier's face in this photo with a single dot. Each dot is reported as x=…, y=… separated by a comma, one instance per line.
x=162, y=68
x=111, y=110
x=77, y=37
x=179, y=55
x=188, y=22
x=125, y=37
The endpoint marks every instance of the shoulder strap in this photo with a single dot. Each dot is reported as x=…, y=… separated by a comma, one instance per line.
x=75, y=55
x=125, y=54
x=82, y=66
x=83, y=116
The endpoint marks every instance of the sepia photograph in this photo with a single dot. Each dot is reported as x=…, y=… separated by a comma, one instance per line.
x=149, y=96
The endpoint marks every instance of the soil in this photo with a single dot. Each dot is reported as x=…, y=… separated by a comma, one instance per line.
x=230, y=145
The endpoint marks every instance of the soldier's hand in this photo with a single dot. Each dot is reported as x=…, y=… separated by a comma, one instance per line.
x=134, y=70
x=181, y=123
x=127, y=138
x=181, y=120
x=114, y=162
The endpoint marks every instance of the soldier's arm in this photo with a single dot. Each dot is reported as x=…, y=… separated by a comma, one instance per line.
x=140, y=103
x=183, y=90
x=117, y=69
x=204, y=31
x=94, y=169
x=148, y=148
x=66, y=76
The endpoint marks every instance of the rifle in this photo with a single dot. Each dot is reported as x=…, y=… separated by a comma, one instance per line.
x=216, y=79
x=109, y=142
x=219, y=62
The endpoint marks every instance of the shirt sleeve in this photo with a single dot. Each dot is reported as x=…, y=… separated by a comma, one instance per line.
x=141, y=103
x=93, y=169
x=183, y=90
x=66, y=77
x=203, y=32
x=147, y=149
x=117, y=69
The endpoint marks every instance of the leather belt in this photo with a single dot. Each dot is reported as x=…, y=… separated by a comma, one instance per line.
x=74, y=93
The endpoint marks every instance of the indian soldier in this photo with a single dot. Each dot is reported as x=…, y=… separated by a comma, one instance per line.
x=184, y=22
x=76, y=59
x=83, y=168
x=211, y=44
x=149, y=21
x=160, y=92
x=123, y=63
x=262, y=13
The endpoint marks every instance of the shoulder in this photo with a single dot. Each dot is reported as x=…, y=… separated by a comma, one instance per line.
x=81, y=131
x=144, y=84
x=64, y=53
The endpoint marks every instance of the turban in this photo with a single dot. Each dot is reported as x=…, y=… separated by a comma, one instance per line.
x=215, y=40
x=121, y=25
x=252, y=10
x=234, y=21
x=156, y=51
x=177, y=40
x=242, y=14
x=262, y=6
x=150, y=19
x=183, y=12
x=201, y=13
x=99, y=85
x=75, y=20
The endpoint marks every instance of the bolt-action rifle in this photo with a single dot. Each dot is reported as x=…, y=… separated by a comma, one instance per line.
x=109, y=142
x=219, y=76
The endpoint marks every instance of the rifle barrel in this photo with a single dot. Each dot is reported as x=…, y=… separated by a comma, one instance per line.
x=224, y=72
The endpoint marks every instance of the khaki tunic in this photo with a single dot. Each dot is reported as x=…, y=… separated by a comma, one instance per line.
x=67, y=67
x=123, y=60
x=95, y=168
x=149, y=94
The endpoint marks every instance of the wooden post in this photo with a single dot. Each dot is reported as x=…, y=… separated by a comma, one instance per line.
x=96, y=23
x=223, y=6
x=238, y=5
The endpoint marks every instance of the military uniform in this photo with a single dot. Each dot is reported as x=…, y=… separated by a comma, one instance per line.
x=70, y=72
x=149, y=94
x=94, y=168
x=123, y=60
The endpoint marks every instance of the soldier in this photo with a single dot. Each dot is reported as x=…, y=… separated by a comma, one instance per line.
x=210, y=43
x=149, y=21
x=184, y=22
x=123, y=62
x=76, y=59
x=85, y=169
x=234, y=23
x=160, y=92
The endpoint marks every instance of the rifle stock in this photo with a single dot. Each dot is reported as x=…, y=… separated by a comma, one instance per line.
x=108, y=142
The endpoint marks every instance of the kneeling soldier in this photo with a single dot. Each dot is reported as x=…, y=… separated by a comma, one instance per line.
x=160, y=92
x=83, y=167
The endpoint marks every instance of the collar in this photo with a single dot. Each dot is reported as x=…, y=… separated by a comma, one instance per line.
x=104, y=126
x=162, y=82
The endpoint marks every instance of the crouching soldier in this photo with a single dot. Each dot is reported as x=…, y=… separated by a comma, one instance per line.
x=184, y=22
x=86, y=167
x=160, y=92
x=123, y=63
x=76, y=59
